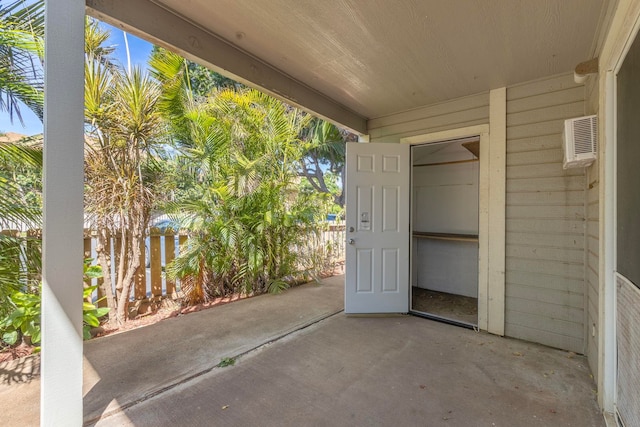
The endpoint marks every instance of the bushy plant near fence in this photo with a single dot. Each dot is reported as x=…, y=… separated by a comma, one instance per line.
x=23, y=320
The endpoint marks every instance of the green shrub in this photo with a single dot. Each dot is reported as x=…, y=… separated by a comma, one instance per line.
x=24, y=319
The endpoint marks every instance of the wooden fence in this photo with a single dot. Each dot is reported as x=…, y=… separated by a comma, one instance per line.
x=161, y=248
x=150, y=280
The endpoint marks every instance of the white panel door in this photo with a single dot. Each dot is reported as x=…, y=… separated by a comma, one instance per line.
x=377, y=255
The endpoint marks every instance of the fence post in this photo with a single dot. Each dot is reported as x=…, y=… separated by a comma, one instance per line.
x=102, y=302
x=156, y=262
x=169, y=255
x=86, y=246
x=141, y=275
x=33, y=237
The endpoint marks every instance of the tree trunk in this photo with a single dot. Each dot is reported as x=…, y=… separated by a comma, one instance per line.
x=121, y=259
x=129, y=264
x=339, y=199
x=104, y=259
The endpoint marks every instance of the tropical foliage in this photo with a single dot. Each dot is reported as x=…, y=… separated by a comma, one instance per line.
x=20, y=264
x=250, y=178
x=249, y=215
x=24, y=320
x=203, y=80
x=21, y=83
x=323, y=162
x=124, y=129
x=21, y=55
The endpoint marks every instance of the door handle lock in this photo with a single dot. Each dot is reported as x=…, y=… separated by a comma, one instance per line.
x=351, y=229
x=352, y=241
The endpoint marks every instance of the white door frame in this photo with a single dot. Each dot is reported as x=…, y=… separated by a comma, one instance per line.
x=413, y=247
x=491, y=217
x=624, y=28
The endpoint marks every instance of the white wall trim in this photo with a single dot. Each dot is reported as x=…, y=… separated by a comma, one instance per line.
x=606, y=303
x=497, y=202
x=61, y=376
x=490, y=295
x=446, y=135
x=484, y=186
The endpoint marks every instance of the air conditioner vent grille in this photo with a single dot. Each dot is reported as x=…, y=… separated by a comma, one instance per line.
x=580, y=141
x=585, y=135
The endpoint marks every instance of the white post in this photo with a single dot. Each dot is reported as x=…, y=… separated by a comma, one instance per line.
x=497, y=202
x=61, y=379
x=607, y=353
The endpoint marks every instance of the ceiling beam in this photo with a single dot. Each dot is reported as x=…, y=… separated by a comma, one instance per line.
x=162, y=27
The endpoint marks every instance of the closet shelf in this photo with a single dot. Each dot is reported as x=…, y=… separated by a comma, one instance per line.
x=446, y=236
x=453, y=162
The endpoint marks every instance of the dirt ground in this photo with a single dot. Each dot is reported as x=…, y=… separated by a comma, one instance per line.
x=167, y=310
x=15, y=352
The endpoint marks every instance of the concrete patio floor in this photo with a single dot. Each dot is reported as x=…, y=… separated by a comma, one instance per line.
x=302, y=362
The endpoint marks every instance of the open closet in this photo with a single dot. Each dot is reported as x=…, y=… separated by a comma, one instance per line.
x=444, y=223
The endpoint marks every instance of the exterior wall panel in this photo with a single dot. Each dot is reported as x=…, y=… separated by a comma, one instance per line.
x=458, y=113
x=545, y=212
x=545, y=205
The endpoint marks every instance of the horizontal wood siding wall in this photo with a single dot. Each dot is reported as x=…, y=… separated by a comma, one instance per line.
x=545, y=206
x=593, y=242
x=545, y=217
x=458, y=113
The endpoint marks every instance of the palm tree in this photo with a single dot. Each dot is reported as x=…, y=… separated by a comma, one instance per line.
x=21, y=56
x=250, y=218
x=19, y=254
x=326, y=150
x=21, y=82
x=124, y=129
x=95, y=38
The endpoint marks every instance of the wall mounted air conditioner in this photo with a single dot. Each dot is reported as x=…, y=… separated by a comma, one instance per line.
x=580, y=141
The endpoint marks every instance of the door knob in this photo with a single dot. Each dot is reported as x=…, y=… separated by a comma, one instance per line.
x=352, y=241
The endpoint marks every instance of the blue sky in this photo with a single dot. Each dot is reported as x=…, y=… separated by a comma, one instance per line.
x=139, y=51
x=138, y=48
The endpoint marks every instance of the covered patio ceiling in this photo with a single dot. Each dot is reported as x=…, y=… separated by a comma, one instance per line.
x=354, y=60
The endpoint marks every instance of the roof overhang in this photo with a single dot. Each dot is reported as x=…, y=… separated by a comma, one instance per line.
x=349, y=61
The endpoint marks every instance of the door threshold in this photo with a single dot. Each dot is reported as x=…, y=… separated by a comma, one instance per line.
x=444, y=320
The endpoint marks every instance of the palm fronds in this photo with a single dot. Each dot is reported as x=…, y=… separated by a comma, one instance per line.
x=252, y=216
x=21, y=55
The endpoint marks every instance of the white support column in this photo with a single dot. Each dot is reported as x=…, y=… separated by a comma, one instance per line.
x=497, y=198
x=61, y=379
x=607, y=353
